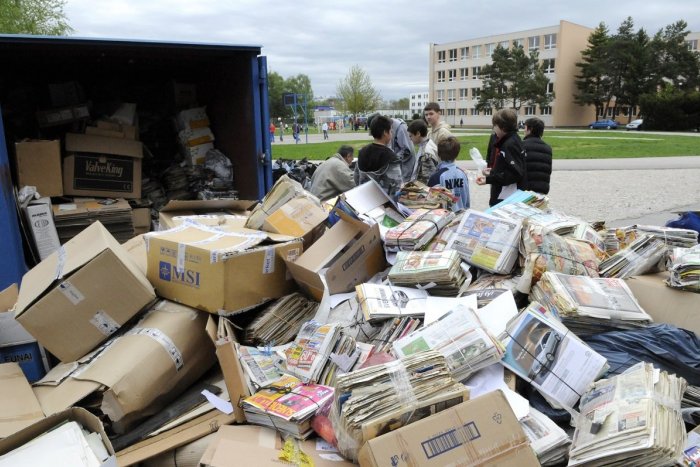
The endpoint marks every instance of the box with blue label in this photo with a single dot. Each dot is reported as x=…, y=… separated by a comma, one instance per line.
x=220, y=270
x=30, y=357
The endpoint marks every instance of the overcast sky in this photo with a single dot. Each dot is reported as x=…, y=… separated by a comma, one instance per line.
x=389, y=39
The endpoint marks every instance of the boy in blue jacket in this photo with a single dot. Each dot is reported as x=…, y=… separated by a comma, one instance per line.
x=449, y=175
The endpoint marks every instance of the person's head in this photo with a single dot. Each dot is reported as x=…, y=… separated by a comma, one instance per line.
x=448, y=149
x=380, y=128
x=504, y=121
x=417, y=131
x=534, y=126
x=347, y=153
x=432, y=113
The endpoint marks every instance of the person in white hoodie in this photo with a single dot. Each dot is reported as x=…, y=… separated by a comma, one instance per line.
x=439, y=130
x=426, y=158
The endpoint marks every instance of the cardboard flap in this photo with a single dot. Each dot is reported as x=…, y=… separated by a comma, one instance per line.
x=209, y=204
x=103, y=145
x=365, y=197
x=328, y=246
x=8, y=298
x=87, y=206
x=19, y=407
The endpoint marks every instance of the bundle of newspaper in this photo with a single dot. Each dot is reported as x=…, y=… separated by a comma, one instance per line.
x=348, y=314
x=547, y=439
x=531, y=198
x=310, y=352
x=417, y=230
x=380, y=398
x=280, y=322
x=393, y=329
x=460, y=337
x=671, y=236
x=645, y=254
x=440, y=273
x=546, y=251
x=287, y=405
x=555, y=361
x=261, y=367
x=284, y=190
x=631, y=419
x=685, y=269
x=588, y=305
x=416, y=195
x=487, y=242
x=618, y=238
x=385, y=301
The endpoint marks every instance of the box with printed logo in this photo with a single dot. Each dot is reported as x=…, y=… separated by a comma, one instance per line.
x=220, y=270
x=81, y=294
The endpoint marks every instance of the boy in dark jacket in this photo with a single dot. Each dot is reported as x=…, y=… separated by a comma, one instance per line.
x=377, y=161
x=539, y=156
x=505, y=158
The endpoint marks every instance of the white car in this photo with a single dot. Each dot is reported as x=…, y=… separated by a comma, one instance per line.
x=634, y=125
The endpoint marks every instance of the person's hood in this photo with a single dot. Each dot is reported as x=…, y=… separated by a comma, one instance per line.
x=375, y=165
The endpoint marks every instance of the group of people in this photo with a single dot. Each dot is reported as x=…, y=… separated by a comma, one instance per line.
x=296, y=131
x=426, y=151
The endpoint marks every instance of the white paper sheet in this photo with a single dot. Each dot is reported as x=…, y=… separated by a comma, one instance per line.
x=491, y=379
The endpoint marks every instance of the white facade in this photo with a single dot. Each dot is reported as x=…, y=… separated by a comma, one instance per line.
x=417, y=102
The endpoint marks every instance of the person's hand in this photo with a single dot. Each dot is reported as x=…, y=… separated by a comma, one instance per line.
x=486, y=171
x=480, y=180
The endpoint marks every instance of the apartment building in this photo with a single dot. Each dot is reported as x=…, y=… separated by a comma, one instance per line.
x=455, y=74
x=417, y=102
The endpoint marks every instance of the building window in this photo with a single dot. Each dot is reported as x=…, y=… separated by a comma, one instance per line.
x=476, y=71
x=476, y=51
x=463, y=112
x=504, y=44
x=546, y=110
x=441, y=95
x=488, y=111
x=519, y=42
x=453, y=55
x=451, y=95
x=550, y=41
x=452, y=75
x=474, y=112
x=490, y=48
x=530, y=110
x=692, y=44
x=463, y=94
x=476, y=92
x=464, y=53
x=548, y=65
x=550, y=88
x=533, y=43
x=441, y=76
x=463, y=74
x=450, y=112
x=441, y=56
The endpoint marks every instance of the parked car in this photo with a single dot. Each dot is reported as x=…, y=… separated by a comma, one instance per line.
x=605, y=124
x=635, y=125
x=545, y=352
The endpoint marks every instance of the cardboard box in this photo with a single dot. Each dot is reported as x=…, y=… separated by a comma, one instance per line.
x=62, y=116
x=483, y=431
x=30, y=356
x=39, y=164
x=234, y=376
x=42, y=227
x=129, y=131
x=212, y=207
x=300, y=217
x=18, y=405
x=665, y=304
x=136, y=247
x=141, y=218
x=351, y=250
x=81, y=416
x=102, y=166
x=261, y=446
x=220, y=272
x=8, y=298
x=80, y=295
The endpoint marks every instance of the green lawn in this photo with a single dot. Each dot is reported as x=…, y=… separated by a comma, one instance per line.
x=565, y=145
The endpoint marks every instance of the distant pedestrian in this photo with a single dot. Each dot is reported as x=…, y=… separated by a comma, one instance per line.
x=449, y=175
x=272, y=132
x=281, y=131
x=334, y=176
x=461, y=122
x=538, y=157
x=324, y=128
x=296, y=129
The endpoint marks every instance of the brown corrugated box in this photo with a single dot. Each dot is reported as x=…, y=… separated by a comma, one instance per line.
x=39, y=165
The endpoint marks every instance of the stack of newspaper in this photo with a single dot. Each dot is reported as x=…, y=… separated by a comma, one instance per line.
x=547, y=439
x=380, y=302
x=416, y=195
x=588, y=305
x=618, y=238
x=554, y=360
x=645, y=254
x=310, y=352
x=287, y=405
x=671, y=236
x=546, y=251
x=487, y=242
x=460, y=337
x=280, y=322
x=417, y=230
x=381, y=398
x=531, y=198
x=260, y=366
x=393, y=329
x=631, y=419
x=685, y=269
x=440, y=273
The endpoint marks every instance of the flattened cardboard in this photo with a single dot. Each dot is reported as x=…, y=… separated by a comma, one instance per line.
x=39, y=164
x=18, y=405
x=298, y=217
x=259, y=446
x=483, y=431
x=665, y=304
x=43, y=229
x=136, y=247
x=78, y=296
x=76, y=414
x=193, y=207
x=8, y=297
x=102, y=166
x=361, y=257
x=230, y=364
x=183, y=266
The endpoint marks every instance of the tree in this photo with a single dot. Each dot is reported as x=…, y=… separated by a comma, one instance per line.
x=357, y=92
x=637, y=76
x=592, y=81
x=275, y=90
x=675, y=62
x=513, y=78
x=37, y=17
x=300, y=84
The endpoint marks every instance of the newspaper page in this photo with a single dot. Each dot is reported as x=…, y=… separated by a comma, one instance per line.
x=310, y=351
x=259, y=366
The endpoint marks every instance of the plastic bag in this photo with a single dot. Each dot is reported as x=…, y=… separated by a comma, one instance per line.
x=687, y=220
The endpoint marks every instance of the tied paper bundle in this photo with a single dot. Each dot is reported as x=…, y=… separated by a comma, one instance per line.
x=645, y=254
x=530, y=198
x=440, y=273
x=278, y=323
x=588, y=305
x=287, y=405
x=417, y=195
x=671, y=236
x=381, y=398
x=310, y=352
x=392, y=330
x=417, y=230
x=460, y=337
x=685, y=269
x=631, y=419
x=260, y=366
x=619, y=238
x=548, y=440
x=379, y=302
x=546, y=251
x=487, y=242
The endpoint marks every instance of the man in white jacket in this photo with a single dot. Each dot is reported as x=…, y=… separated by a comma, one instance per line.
x=439, y=130
x=334, y=176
